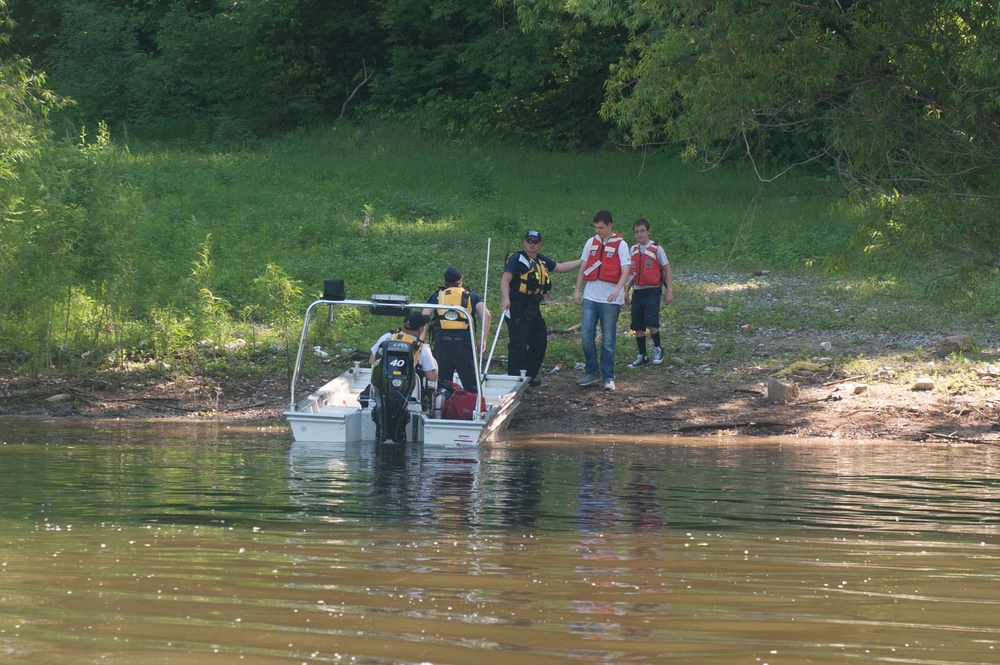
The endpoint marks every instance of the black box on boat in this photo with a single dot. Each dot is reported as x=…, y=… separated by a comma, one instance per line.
x=333, y=289
x=390, y=305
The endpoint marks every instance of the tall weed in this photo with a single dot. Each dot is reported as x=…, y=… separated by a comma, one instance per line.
x=191, y=245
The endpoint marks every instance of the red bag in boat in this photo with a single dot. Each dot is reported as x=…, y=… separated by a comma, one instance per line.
x=461, y=404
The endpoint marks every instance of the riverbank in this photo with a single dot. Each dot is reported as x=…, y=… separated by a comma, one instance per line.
x=851, y=380
x=962, y=405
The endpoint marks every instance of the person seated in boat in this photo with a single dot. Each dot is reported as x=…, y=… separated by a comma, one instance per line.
x=413, y=330
x=450, y=329
x=404, y=373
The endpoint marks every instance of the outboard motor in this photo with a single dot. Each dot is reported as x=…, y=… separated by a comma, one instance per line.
x=394, y=377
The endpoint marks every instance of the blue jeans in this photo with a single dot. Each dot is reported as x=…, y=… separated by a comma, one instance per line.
x=607, y=314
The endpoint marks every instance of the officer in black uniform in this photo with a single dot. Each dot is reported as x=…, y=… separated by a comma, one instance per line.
x=524, y=285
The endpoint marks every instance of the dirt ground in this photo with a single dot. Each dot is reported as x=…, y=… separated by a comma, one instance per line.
x=700, y=397
x=828, y=404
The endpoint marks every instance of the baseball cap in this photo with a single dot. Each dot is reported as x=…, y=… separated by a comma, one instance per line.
x=415, y=320
x=533, y=235
x=452, y=275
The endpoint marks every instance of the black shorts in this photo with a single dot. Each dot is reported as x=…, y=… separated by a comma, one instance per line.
x=646, y=308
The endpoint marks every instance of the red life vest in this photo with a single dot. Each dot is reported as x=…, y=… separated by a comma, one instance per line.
x=602, y=260
x=646, y=270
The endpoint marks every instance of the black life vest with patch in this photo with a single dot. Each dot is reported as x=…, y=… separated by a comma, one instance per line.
x=533, y=278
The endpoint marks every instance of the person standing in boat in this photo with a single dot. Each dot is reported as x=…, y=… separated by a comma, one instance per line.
x=414, y=327
x=450, y=329
x=524, y=285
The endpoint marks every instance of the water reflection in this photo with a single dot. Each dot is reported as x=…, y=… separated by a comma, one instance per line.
x=385, y=482
x=215, y=474
x=153, y=543
x=595, y=487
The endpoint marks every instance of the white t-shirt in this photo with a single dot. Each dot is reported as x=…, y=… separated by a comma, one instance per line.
x=597, y=290
x=661, y=258
x=426, y=359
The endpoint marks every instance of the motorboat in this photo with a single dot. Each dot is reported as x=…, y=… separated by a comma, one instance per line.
x=389, y=402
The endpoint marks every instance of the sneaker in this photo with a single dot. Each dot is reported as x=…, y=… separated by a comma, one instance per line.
x=657, y=356
x=535, y=382
x=609, y=386
x=587, y=380
x=639, y=361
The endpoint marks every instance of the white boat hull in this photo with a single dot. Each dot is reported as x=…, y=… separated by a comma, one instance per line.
x=334, y=414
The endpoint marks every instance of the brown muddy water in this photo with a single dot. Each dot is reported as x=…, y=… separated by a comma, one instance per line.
x=157, y=542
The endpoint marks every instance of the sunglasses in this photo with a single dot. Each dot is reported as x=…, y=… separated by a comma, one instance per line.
x=532, y=241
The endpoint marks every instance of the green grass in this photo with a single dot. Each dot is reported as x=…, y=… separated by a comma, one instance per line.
x=178, y=252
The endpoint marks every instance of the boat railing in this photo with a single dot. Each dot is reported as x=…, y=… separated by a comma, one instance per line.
x=386, y=305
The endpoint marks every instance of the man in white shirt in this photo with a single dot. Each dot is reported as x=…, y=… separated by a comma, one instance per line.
x=412, y=331
x=603, y=272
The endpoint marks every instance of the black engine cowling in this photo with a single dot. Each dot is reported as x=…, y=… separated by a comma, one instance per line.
x=394, y=377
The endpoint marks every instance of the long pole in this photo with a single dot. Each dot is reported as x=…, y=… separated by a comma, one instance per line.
x=489, y=358
x=486, y=279
x=484, y=333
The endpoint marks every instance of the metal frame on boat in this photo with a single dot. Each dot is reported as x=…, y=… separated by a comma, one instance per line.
x=337, y=412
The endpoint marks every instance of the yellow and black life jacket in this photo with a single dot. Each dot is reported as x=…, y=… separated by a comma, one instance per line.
x=533, y=278
x=451, y=319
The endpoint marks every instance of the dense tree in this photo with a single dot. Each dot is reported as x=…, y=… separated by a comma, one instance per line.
x=23, y=103
x=894, y=92
x=216, y=69
x=900, y=98
x=207, y=68
x=37, y=213
x=896, y=95
x=471, y=66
